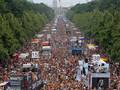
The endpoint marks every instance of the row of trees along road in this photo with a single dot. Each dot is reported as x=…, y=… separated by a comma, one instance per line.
x=19, y=21
x=100, y=19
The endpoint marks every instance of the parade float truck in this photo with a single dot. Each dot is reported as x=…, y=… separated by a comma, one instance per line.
x=28, y=80
x=46, y=50
x=95, y=75
x=76, y=51
x=76, y=46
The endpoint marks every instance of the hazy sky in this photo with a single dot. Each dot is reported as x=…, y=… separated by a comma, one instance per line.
x=65, y=3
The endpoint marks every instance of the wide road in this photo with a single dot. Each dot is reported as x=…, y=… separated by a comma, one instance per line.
x=59, y=71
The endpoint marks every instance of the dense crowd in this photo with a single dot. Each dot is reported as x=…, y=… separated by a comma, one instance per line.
x=115, y=75
x=59, y=71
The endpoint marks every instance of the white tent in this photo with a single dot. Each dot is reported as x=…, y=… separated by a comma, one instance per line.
x=54, y=29
x=39, y=35
x=46, y=48
x=28, y=65
x=45, y=30
x=73, y=39
x=78, y=32
x=23, y=55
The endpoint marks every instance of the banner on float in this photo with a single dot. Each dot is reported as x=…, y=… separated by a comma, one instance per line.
x=96, y=57
x=35, y=54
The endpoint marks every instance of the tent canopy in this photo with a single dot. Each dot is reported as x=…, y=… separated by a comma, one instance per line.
x=46, y=43
x=46, y=48
x=28, y=65
x=23, y=55
x=91, y=46
x=39, y=35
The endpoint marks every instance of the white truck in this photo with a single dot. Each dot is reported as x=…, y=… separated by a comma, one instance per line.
x=95, y=75
x=46, y=50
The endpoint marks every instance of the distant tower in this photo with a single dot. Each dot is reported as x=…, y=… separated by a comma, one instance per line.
x=55, y=3
x=30, y=1
x=88, y=0
x=55, y=6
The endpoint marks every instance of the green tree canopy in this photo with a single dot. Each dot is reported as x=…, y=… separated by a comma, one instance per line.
x=100, y=19
x=19, y=21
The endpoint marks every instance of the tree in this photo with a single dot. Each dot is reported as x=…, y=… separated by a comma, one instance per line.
x=19, y=21
x=99, y=19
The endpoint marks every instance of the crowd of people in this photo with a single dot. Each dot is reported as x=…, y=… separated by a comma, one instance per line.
x=115, y=76
x=59, y=71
